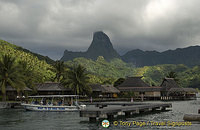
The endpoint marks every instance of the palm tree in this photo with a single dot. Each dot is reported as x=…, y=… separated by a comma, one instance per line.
x=9, y=75
x=30, y=77
x=59, y=69
x=77, y=79
x=172, y=75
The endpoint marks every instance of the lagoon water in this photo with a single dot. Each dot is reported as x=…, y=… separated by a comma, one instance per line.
x=19, y=119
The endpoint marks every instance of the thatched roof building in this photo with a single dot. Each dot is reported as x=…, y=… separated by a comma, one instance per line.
x=109, y=89
x=104, y=88
x=12, y=93
x=142, y=89
x=52, y=88
x=10, y=88
x=133, y=82
x=171, y=88
x=168, y=83
x=99, y=90
x=139, y=88
x=183, y=90
x=136, y=84
x=96, y=88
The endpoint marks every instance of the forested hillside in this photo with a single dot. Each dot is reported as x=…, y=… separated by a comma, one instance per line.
x=35, y=64
x=102, y=71
x=187, y=77
x=110, y=71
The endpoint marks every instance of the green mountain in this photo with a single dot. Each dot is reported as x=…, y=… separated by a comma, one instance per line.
x=37, y=63
x=187, y=77
x=103, y=71
x=100, y=46
x=40, y=57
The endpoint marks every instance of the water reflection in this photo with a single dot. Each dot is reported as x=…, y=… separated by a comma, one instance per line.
x=22, y=120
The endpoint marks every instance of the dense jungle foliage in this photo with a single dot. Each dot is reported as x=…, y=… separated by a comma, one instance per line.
x=109, y=72
x=39, y=68
x=101, y=71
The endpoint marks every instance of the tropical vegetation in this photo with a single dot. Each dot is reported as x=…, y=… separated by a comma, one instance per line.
x=59, y=69
x=36, y=64
x=77, y=79
x=20, y=66
x=102, y=71
x=10, y=75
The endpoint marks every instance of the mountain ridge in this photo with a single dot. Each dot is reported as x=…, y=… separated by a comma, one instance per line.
x=102, y=46
x=189, y=56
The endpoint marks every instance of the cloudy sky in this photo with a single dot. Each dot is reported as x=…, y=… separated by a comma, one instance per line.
x=49, y=27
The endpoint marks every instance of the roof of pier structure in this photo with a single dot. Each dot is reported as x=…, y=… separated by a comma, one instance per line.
x=51, y=86
x=104, y=88
x=136, y=84
x=96, y=87
x=168, y=83
x=133, y=82
x=109, y=89
x=10, y=88
x=183, y=90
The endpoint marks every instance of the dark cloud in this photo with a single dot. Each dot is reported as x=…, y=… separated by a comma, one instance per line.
x=51, y=26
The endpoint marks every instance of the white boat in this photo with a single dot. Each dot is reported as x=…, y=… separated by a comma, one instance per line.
x=58, y=103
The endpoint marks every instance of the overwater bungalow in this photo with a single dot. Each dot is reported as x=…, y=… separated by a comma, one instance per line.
x=52, y=88
x=96, y=90
x=139, y=88
x=99, y=90
x=12, y=93
x=109, y=91
x=172, y=91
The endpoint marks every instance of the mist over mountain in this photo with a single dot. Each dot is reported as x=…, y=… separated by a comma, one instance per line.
x=100, y=46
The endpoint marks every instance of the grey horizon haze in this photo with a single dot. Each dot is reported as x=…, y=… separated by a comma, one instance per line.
x=48, y=27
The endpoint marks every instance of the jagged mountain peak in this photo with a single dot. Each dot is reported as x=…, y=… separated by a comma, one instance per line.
x=100, y=41
x=100, y=46
x=100, y=35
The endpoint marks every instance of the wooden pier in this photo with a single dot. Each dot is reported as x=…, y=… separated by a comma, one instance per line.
x=10, y=104
x=103, y=111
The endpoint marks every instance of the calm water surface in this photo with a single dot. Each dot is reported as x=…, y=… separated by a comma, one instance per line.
x=19, y=119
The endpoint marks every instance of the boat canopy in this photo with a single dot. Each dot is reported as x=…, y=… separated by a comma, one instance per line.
x=48, y=96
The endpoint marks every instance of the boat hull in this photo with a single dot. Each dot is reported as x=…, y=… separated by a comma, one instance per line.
x=50, y=108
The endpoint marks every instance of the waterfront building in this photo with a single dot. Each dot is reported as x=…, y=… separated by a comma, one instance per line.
x=172, y=91
x=96, y=90
x=108, y=91
x=139, y=88
x=12, y=93
x=52, y=88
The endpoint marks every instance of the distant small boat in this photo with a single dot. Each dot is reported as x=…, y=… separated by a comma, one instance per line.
x=191, y=117
x=58, y=103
